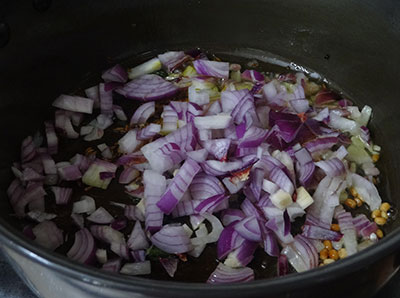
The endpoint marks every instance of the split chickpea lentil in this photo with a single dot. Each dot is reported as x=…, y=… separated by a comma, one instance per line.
x=380, y=215
x=329, y=255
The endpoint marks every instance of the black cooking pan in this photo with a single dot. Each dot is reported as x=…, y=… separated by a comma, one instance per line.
x=52, y=48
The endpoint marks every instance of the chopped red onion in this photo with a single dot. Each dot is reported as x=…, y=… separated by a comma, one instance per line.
x=28, y=150
x=242, y=255
x=85, y=205
x=315, y=232
x=119, y=224
x=198, y=96
x=138, y=240
x=345, y=221
x=332, y=167
x=29, y=174
x=219, y=121
x=74, y=104
x=107, y=234
x=154, y=187
x=49, y=168
x=133, y=213
x=269, y=241
x=81, y=161
x=300, y=105
x=101, y=256
x=101, y=216
x=252, y=75
x=215, y=232
x=363, y=226
x=225, y=274
x=69, y=172
x=103, y=121
x=112, y=266
x=172, y=239
x=212, y=68
x=48, y=235
x=283, y=266
x=279, y=177
x=185, y=207
x=62, y=194
x=40, y=216
x=106, y=100
x=228, y=241
x=366, y=190
x=129, y=142
x=170, y=119
x=253, y=137
x=249, y=229
x=115, y=74
x=63, y=123
x=93, y=93
x=212, y=204
x=218, y=148
x=170, y=60
x=128, y=175
x=148, y=87
x=149, y=132
x=198, y=248
x=245, y=111
x=196, y=220
x=178, y=186
x=138, y=255
x=34, y=192
x=233, y=184
x=219, y=168
x=170, y=265
x=84, y=248
x=205, y=186
x=142, y=113
x=120, y=249
x=92, y=175
x=198, y=155
x=138, y=268
x=119, y=113
x=229, y=216
x=321, y=144
x=52, y=139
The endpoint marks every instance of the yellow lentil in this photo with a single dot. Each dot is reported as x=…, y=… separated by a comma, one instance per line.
x=335, y=227
x=327, y=244
x=385, y=207
x=384, y=215
x=323, y=254
x=342, y=253
x=376, y=213
x=380, y=221
x=379, y=233
x=375, y=157
x=353, y=192
x=350, y=203
x=358, y=201
x=328, y=261
x=333, y=254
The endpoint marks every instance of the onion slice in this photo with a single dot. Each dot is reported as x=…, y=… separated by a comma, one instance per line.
x=148, y=87
x=172, y=239
x=225, y=274
x=84, y=248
